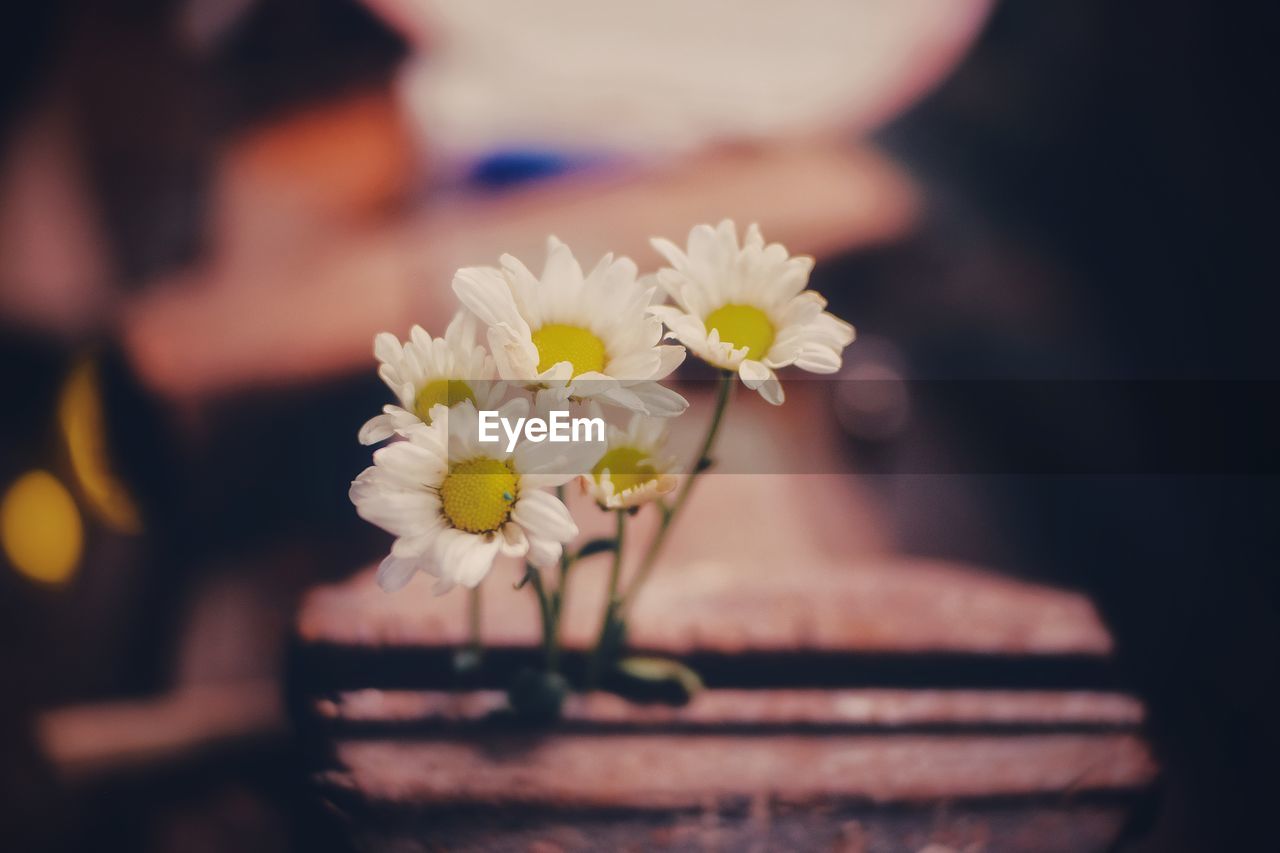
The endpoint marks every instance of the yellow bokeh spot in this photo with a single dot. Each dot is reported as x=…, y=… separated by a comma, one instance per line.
x=84, y=429
x=558, y=342
x=627, y=468
x=743, y=326
x=40, y=528
x=449, y=392
x=477, y=494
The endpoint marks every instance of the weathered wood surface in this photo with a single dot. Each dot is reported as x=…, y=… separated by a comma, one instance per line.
x=858, y=770
x=682, y=772
x=436, y=748
x=874, y=605
x=942, y=829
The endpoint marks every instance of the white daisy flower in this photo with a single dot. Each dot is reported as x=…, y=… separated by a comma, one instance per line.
x=634, y=467
x=745, y=309
x=455, y=503
x=591, y=335
x=425, y=371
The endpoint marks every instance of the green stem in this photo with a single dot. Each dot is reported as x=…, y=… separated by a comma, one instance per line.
x=473, y=621
x=562, y=590
x=551, y=602
x=611, y=604
x=549, y=644
x=700, y=464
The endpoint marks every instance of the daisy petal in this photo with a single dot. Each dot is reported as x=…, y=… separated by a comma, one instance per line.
x=386, y=348
x=513, y=541
x=376, y=429
x=395, y=572
x=818, y=359
x=544, y=552
x=543, y=515
x=485, y=292
x=657, y=400
x=757, y=377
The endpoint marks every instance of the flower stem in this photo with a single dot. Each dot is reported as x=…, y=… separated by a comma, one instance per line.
x=473, y=622
x=550, y=646
x=700, y=464
x=611, y=605
x=562, y=590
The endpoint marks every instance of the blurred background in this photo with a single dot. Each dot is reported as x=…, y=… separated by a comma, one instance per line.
x=1051, y=222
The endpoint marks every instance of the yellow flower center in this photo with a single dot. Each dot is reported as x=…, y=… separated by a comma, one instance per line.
x=557, y=342
x=448, y=392
x=743, y=326
x=477, y=494
x=627, y=468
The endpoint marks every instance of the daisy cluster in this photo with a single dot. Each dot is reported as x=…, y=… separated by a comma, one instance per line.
x=604, y=340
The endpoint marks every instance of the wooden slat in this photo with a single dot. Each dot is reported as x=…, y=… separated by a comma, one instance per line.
x=1073, y=828
x=876, y=606
x=888, y=709
x=639, y=772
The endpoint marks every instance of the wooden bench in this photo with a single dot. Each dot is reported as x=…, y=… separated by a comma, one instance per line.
x=884, y=704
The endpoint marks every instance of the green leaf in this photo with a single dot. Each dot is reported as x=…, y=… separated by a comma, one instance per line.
x=598, y=546
x=651, y=679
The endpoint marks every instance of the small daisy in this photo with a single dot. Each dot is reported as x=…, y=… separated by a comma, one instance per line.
x=590, y=334
x=745, y=309
x=634, y=468
x=426, y=371
x=455, y=503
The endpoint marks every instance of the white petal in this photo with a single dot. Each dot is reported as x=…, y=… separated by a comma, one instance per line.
x=671, y=357
x=543, y=464
x=394, y=573
x=392, y=420
x=376, y=429
x=638, y=365
x=513, y=353
x=658, y=400
x=476, y=561
x=687, y=328
x=673, y=253
x=753, y=373
x=484, y=290
x=803, y=308
x=543, y=552
x=818, y=359
x=513, y=541
x=832, y=329
x=404, y=513
x=543, y=515
x=462, y=331
x=386, y=348
x=621, y=396
x=760, y=378
x=410, y=465
x=465, y=558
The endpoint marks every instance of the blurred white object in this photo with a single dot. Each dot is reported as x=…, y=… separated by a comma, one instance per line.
x=665, y=76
